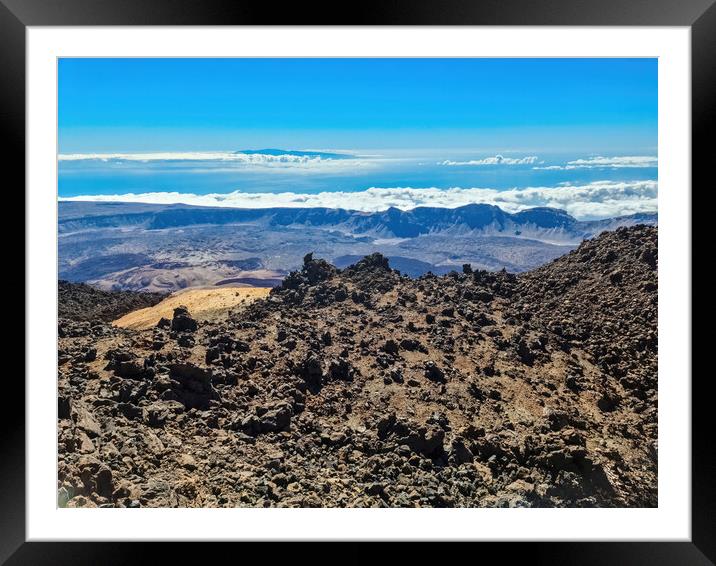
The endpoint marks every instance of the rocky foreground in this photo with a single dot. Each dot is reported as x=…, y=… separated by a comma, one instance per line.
x=363, y=387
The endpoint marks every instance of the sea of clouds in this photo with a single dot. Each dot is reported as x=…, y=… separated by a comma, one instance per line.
x=494, y=160
x=621, y=162
x=221, y=156
x=601, y=199
x=322, y=163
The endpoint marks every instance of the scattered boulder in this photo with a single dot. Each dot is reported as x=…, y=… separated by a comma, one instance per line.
x=433, y=372
x=311, y=371
x=391, y=347
x=265, y=420
x=96, y=477
x=191, y=385
x=182, y=320
x=341, y=369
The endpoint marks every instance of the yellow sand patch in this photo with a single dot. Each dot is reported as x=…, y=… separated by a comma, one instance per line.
x=203, y=304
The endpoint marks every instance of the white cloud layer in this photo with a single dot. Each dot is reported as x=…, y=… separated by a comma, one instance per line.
x=626, y=161
x=223, y=156
x=600, y=199
x=496, y=160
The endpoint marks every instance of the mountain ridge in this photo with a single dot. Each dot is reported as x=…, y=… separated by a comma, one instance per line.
x=170, y=247
x=390, y=222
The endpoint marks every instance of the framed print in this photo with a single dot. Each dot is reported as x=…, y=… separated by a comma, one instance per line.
x=424, y=275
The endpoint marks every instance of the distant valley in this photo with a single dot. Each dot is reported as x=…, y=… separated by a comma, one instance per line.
x=126, y=246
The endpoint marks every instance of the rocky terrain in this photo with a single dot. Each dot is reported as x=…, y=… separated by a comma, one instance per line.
x=364, y=387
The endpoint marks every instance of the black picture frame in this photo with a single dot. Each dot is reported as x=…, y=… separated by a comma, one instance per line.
x=16, y=15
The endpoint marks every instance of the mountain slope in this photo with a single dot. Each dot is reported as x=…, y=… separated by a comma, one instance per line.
x=205, y=304
x=362, y=387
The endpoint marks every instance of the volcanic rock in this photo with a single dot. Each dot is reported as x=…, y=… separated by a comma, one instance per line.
x=363, y=387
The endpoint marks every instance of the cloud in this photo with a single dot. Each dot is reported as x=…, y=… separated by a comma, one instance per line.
x=627, y=161
x=600, y=199
x=496, y=160
x=224, y=157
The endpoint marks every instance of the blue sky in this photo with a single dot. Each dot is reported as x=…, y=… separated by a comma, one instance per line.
x=592, y=105
x=578, y=134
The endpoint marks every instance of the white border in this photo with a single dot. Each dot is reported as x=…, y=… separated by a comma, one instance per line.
x=671, y=520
